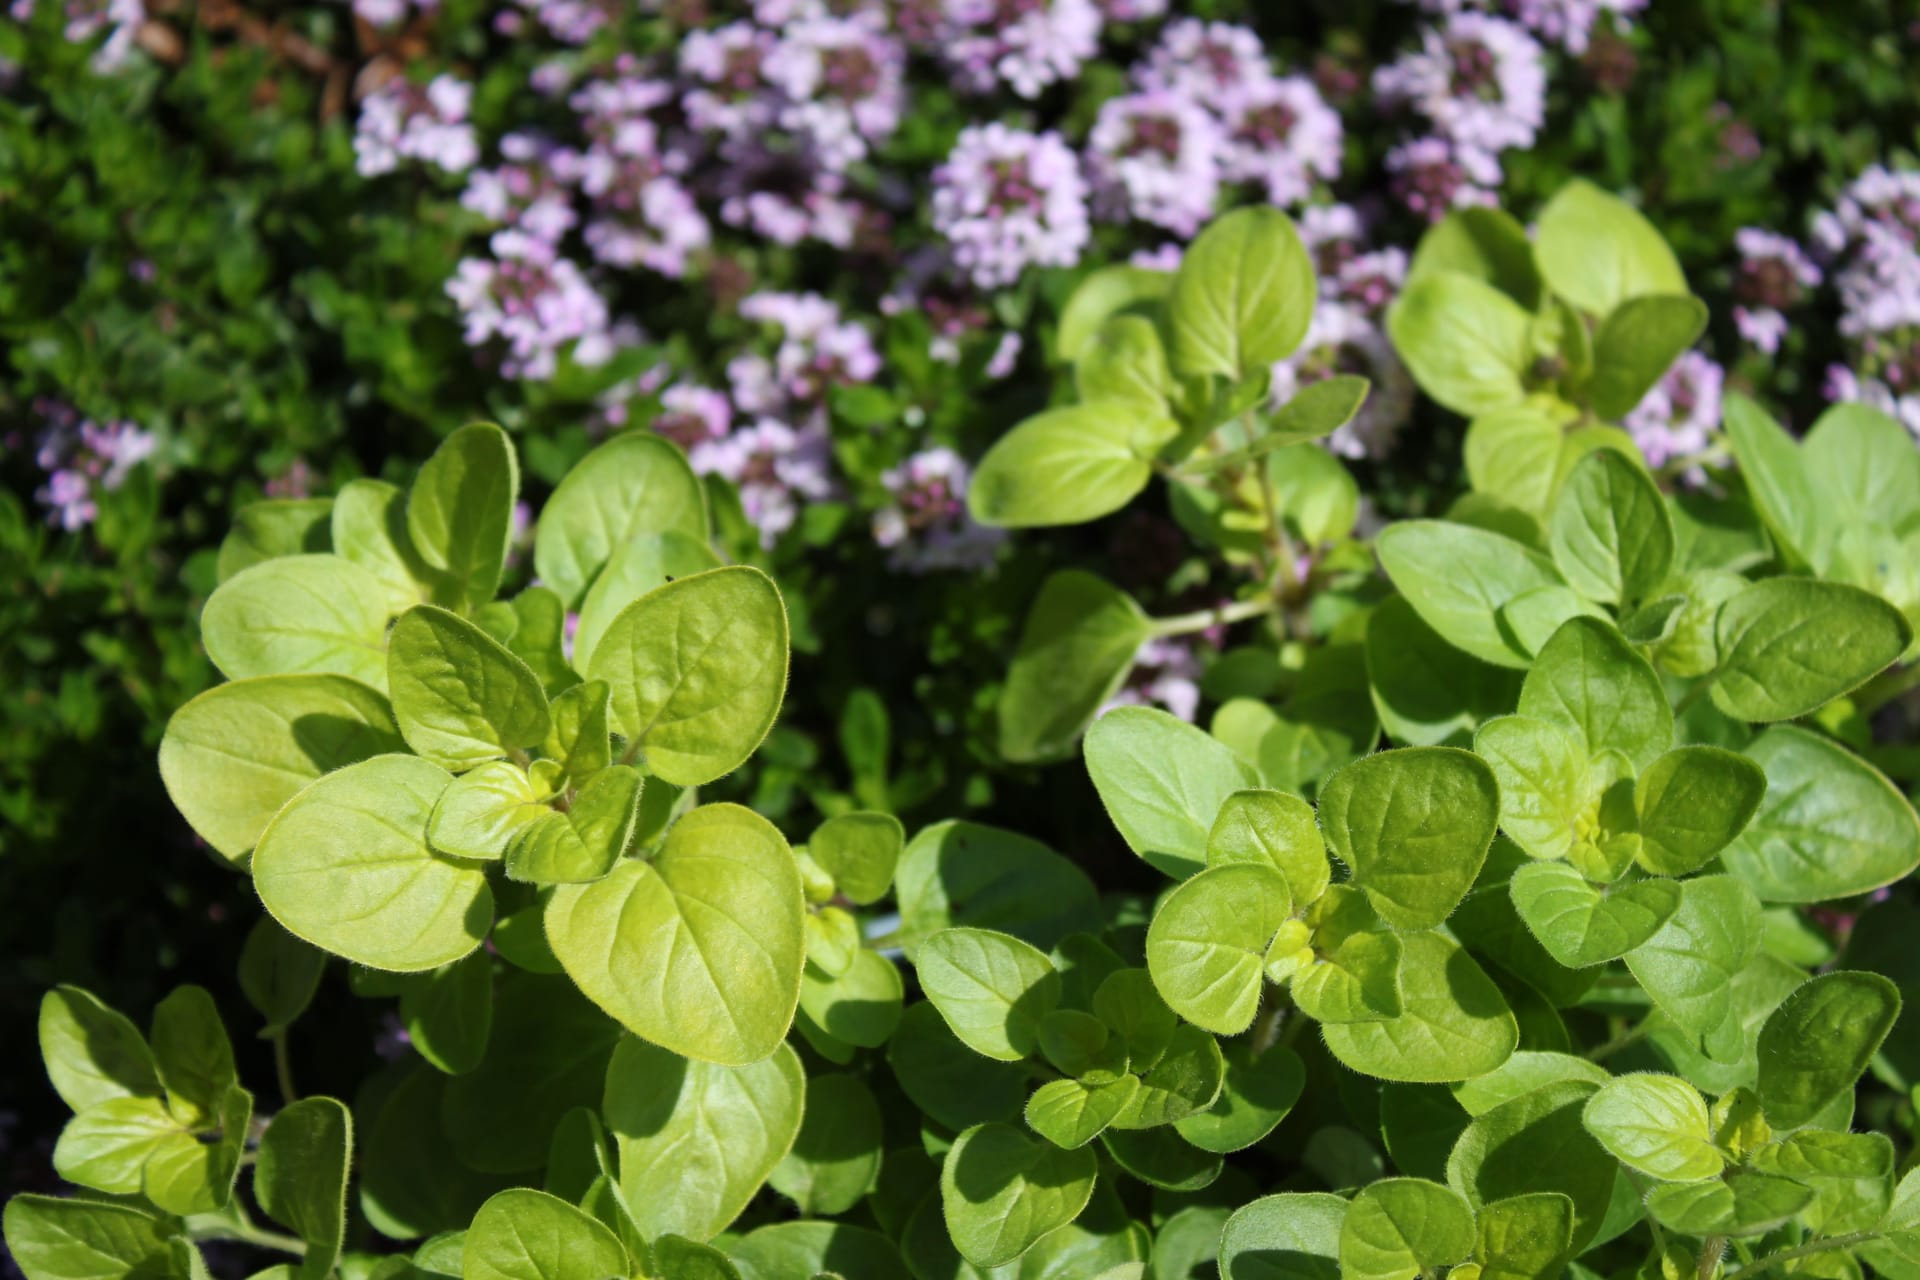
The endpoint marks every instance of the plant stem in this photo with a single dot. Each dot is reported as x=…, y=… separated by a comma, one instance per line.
x=249, y=1234
x=1266, y=1031
x=1696, y=693
x=283, y=1068
x=1235, y=611
x=1828, y=1245
x=1632, y=1036
x=1712, y=1249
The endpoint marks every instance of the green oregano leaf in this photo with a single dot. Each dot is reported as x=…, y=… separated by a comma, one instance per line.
x=687, y=1166
x=459, y=696
x=1590, y=682
x=700, y=949
x=1580, y=924
x=1818, y=1042
x=1597, y=251
x=1789, y=646
x=1413, y=825
x=1466, y=343
x=524, y=1234
x=481, y=811
x=1208, y=940
x=1656, y=1125
x=1453, y=1022
x=697, y=670
x=448, y=1012
x=1068, y=466
x=1001, y=1191
x=860, y=851
x=1537, y=1142
x=1075, y=649
x=1273, y=829
x=1611, y=534
x=306, y=613
x=1829, y=826
x=1404, y=1229
x=346, y=866
x=1543, y=775
x=636, y=483
x=1243, y=296
x=234, y=755
x=993, y=989
x=1458, y=579
x=1163, y=782
x=587, y=841
x=301, y=1177
x=1692, y=803
x=460, y=513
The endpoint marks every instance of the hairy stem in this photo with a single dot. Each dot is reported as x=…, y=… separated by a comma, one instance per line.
x=1187, y=623
x=249, y=1234
x=1828, y=1245
x=283, y=1068
x=1627, y=1038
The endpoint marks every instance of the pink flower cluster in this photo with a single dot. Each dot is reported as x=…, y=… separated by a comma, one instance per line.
x=1775, y=275
x=1676, y=419
x=82, y=458
x=1480, y=83
x=404, y=121
x=86, y=19
x=1208, y=111
x=1871, y=241
x=926, y=525
x=1006, y=200
x=1567, y=23
x=767, y=433
x=1166, y=673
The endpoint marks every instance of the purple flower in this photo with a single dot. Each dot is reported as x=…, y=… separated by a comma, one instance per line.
x=1006, y=354
x=691, y=415
x=81, y=458
x=575, y=21
x=1481, y=81
x=1006, y=200
x=1131, y=10
x=402, y=120
x=1283, y=135
x=1023, y=44
x=1678, y=416
x=1215, y=64
x=1432, y=178
x=531, y=190
x=535, y=302
x=1165, y=258
x=1568, y=23
x=1774, y=276
x=85, y=19
x=727, y=64
x=297, y=481
x=818, y=351
x=1166, y=673
x=1343, y=338
x=926, y=526
x=1155, y=156
x=845, y=85
x=776, y=469
x=1872, y=237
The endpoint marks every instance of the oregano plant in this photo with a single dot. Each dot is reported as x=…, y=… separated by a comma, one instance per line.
x=1492, y=921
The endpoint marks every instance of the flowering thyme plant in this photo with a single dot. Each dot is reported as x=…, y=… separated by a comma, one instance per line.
x=1491, y=922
